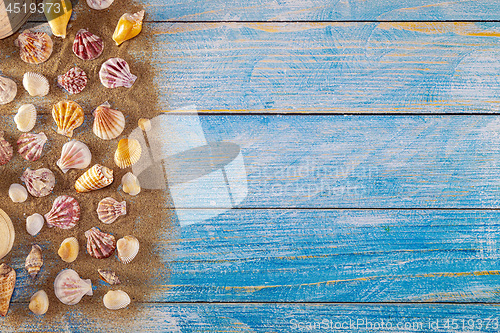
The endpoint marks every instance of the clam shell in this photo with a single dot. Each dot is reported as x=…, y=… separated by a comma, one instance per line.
x=115, y=72
x=34, y=261
x=127, y=153
x=74, y=155
x=68, y=115
x=70, y=288
x=94, y=178
x=30, y=145
x=8, y=90
x=144, y=124
x=109, y=276
x=39, y=303
x=100, y=245
x=18, y=193
x=99, y=4
x=40, y=182
x=7, y=283
x=87, y=46
x=25, y=118
x=36, y=84
x=108, y=123
x=73, y=81
x=58, y=13
x=130, y=184
x=7, y=234
x=68, y=251
x=34, y=47
x=34, y=223
x=64, y=214
x=127, y=248
x=108, y=210
x=129, y=25
x=6, y=150
x=116, y=299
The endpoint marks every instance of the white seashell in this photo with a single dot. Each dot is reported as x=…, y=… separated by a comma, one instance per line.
x=68, y=251
x=99, y=4
x=39, y=303
x=39, y=182
x=74, y=155
x=18, y=193
x=115, y=72
x=109, y=209
x=70, y=288
x=25, y=118
x=127, y=248
x=34, y=223
x=144, y=124
x=36, y=84
x=116, y=299
x=31, y=145
x=130, y=184
x=8, y=90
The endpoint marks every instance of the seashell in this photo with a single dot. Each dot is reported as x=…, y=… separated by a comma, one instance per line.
x=18, y=193
x=30, y=145
x=34, y=223
x=64, y=214
x=74, y=155
x=7, y=283
x=100, y=245
x=25, y=118
x=108, y=123
x=39, y=182
x=127, y=248
x=74, y=81
x=130, y=184
x=109, y=276
x=7, y=234
x=8, y=90
x=36, y=84
x=68, y=251
x=144, y=124
x=6, y=150
x=34, y=261
x=68, y=115
x=109, y=210
x=58, y=13
x=129, y=25
x=87, y=46
x=127, y=153
x=39, y=303
x=116, y=299
x=99, y=4
x=115, y=72
x=34, y=47
x=94, y=178
x=70, y=288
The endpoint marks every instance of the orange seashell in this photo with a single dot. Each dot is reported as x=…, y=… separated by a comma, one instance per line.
x=34, y=47
x=108, y=123
x=129, y=26
x=68, y=115
x=128, y=152
x=94, y=178
x=7, y=283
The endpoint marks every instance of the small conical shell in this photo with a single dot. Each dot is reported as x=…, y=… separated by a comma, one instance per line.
x=100, y=245
x=34, y=223
x=25, y=117
x=108, y=210
x=58, y=13
x=68, y=251
x=18, y=193
x=34, y=261
x=127, y=153
x=39, y=303
x=73, y=81
x=87, y=46
x=7, y=234
x=70, y=288
x=34, y=47
x=7, y=283
x=130, y=184
x=30, y=145
x=68, y=115
x=64, y=214
x=36, y=84
x=99, y=4
x=108, y=123
x=127, y=248
x=8, y=90
x=40, y=182
x=74, y=155
x=6, y=150
x=116, y=299
x=109, y=276
x=94, y=178
x=115, y=72
x=129, y=26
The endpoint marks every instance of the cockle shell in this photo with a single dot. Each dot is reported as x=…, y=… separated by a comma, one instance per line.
x=68, y=115
x=130, y=184
x=108, y=123
x=18, y=193
x=94, y=178
x=30, y=145
x=7, y=234
x=100, y=245
x=73, y=81
x=25, y=117
x=109, y=276
x=74, y=155
x=127, y=153
x=99, y=4
x=34, y=223
x=7, y=283
x=127, y=248
x=70, y=288
x=87, y=46
x=64, y=214
x=39, y=182
x=34, y=47
x=39, y=303
x=36, y=84
x=116, y=299
x=34, y=261
x=115, y=72
x=6, y=150
x=144, y=124
x=68, y=251
x=8, y=90
x=129, y=25
x=108, y=210
x=58, y=13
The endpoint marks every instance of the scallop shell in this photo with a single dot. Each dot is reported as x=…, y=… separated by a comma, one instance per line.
x=99, y=4
x=100, y=245
x=7, y=283
x=129, y=25
x=68, y=251
x=30, y=145
x=115, y=72
x=68, y=115
x=34, y=223
x=39, y=303
x=127, y=248
x=39, y=182
x=94, y=178
x=116, y=299
x=34, y=261
x=144, y=124
x=34, y=47
x=25, y=117
x=74, y=155
x=7, y=234
x=73, y=81
x=58, y=13
x=130, y=184
x=18, y=193
x=108, y=123
x=6, y=150
x=109, y=276
x=8, y=90
x=127, y=153
x=36, y=84
x=109, y=210
x=64, y=214
x=70, y=288
x=87, y=46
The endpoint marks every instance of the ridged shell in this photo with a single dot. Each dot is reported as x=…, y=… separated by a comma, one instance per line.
x=40, y=182
x=130, y=184
x=74, y=155
x=109, y=276
x=8, y=90
x=73, y=81
x=7, y=234
x=7, y=283
x=127, y=153
x=18, y=193
x=68, y=251
x=58, y=13
x=34, y=47
x=99, y=4
x=100, y=245
x=25, y=117
x=109, y=210
x=34, y=223
x=30, y=145
x=115, y=72
x=116, y=299
x=34, y=261
x=108, y=123
x=36, y=84
x=127, y=248
x=64, y=214
x=39, y=303
x=129, y=25
x=87, y=46
x=68, y=115
x=94, y=178
x=6, y=150
x=70, y=288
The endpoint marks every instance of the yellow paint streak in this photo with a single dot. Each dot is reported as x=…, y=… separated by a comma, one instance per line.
x=434, y=28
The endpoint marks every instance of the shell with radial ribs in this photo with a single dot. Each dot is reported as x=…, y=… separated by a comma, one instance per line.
x=36, y=84
x=109, y=276
x=109, y=209
x=108, y=123
x=8, y=90
x=39, y=303
x=74, y=155
x=116, y=299
x=64, y=214
x=73, y=81
x=100, y=245
x=68, y=115
x=99, y=4
x=68, y=251
x=94, y=178
x=127, y=153
x=130, y=184
x=127, y=248
x=34, y=47
x=25, y=117
x=115, y=72
x=34, y=261
x=70, y=288
x=129, y=25
x=7, y=234
x=18, y=193
x=87, y=46
x=6, y=150
x=34, y=223
x=30, y=145
x=39, y=182
x=7, y=283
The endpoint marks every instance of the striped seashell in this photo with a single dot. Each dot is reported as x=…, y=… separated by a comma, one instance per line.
x=108, y=123
x=129, y=26
x=40, y=182
x=25, y=118
x=100, y=245
x=34, y=223
x=39, y=303
x=109, y=276
x=115, y=72
x=6, y=150
x=30, y=145
x=64, y=214
x=109, y=209
x=116, y=300
x=87, y=46
x=68, y=251
x=68, y=115
x=34, y=47
x=34, y=261
x=36, y=84
x=127, y=153
x=99, y=4
x=73, y=81
x=8, y=90
x=94, y=178
x=74, y=155
x=7, y=283
x=127, y=248
x=70, y=288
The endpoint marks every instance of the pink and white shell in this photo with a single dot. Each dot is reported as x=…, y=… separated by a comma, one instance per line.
x=70, y=288
x=115, y=72
x=40, y=182
x=87, y=46
x=30, y=145
x=100, y=245
x=6, y=150
x=64, y=214
x=109, y=209
x=73, y=81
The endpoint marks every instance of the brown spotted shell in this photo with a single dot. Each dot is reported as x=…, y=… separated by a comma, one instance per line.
x=109, y=276
x=34, y=261
x=100, y=245
x=7, y=283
